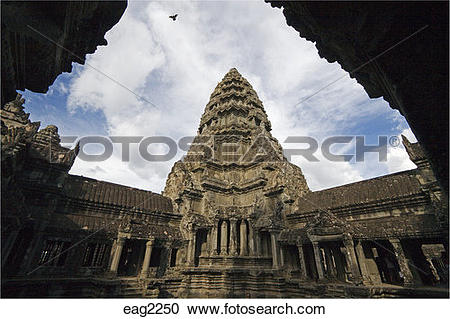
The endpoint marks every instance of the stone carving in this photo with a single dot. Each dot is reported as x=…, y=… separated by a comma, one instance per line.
x=126, y=224
x=191, y=222
x=325, y=223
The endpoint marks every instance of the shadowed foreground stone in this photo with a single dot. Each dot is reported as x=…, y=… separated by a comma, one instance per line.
x=41, y=39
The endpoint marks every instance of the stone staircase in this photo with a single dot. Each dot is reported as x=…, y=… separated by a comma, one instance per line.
x=131, y=288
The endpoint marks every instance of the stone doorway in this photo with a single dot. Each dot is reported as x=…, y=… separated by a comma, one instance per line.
x=334, y=263
x=132, y=257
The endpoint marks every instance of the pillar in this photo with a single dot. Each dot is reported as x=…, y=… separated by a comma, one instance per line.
x=362, y=263
x=318, y=260
x=281, y=247
x=402, y=262
x=148, y=254
x=251, y=240
x=112, y=252
x=331, y=270
x=204, y=248
x=275, y=249
x=244, y=240
x=213, y=240
x=191, y=249
x=354, y=268
x=341, y=273
x=165, y=259
x=223, y=238
x=233, y=237
x=118, y=252
x=258, y=244
x=434, y=272
x=301, y=258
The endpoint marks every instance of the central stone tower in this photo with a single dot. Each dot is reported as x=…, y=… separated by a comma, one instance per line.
x=233, y=188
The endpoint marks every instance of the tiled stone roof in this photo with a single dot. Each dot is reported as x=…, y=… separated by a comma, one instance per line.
x=389, y=187
x=88, y=189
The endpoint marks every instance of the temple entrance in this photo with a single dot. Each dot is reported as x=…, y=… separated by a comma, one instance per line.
x=334, y=263
x=132, y=257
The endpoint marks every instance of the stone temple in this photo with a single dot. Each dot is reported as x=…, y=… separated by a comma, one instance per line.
x=236, y=219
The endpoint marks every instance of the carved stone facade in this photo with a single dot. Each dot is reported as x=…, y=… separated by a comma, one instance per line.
x=236, y=219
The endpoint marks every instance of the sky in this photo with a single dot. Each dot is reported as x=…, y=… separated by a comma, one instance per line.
x=155, y=76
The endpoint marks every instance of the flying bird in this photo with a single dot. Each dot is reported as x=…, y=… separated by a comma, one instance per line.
x=174, y=17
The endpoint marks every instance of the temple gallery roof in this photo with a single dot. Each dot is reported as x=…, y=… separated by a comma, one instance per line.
x=100, y=192
x=389, y=187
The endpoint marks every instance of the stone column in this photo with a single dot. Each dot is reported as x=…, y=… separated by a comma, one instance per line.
x=258, y=244
x=341, y=273
x=331, y=270
x=301, y=258
x=402, y=262
x=244, y=239
x=223, y=238
x=318, y=259
x=112, y=252
x=118, y=252
x=433, y=269
x=275, y=249
x=213, y=240
x=281, y=247
x=165, y=259
x=362, y=263
x=233, y=236
x=251, y=240
x=191, y=249
x=148, y=254
x=204, y=248
x=350, y=251
x=429, y=258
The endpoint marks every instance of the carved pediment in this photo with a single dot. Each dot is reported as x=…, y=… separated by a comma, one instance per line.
x=193, y=221
x=326, y=223
x=269, y=218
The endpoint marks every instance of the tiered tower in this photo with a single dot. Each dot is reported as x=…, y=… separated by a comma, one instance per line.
x=234, y=186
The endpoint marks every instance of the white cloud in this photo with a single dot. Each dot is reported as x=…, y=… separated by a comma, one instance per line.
x=176, y=65
x=325, y=174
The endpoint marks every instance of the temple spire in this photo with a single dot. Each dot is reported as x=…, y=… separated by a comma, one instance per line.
x=234, y=107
